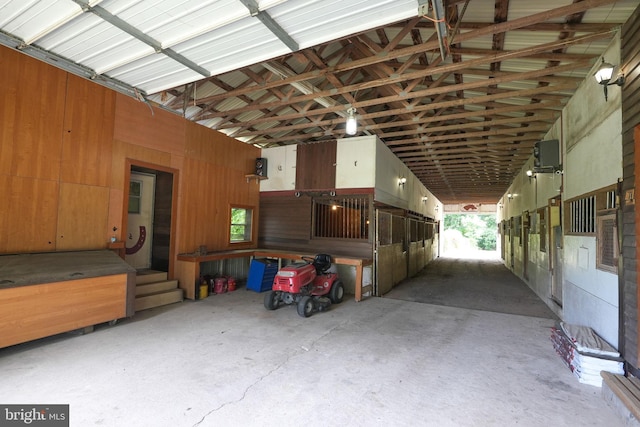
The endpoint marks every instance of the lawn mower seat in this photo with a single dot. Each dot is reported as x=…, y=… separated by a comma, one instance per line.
x=322, y=262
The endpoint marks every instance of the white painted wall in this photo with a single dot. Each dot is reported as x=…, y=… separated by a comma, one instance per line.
x=356, y=162
x=593, y=133
x=281, y=168
x=590, y=135
x=361, y=162
x=590, y=296
x=389, y=169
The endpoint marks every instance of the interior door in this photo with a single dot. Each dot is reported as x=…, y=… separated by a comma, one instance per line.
x=140, y=220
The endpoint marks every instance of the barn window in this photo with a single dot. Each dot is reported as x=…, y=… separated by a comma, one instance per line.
x=341, y=218
x=241, y=219
x=607, y=256
x=582, y=215
x=135, y=195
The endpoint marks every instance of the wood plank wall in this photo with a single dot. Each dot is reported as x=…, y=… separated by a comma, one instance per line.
x=285, y=224
x=628, y=277
x=66, y=144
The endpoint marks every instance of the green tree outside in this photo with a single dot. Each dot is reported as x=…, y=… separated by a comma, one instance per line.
x=479, y=230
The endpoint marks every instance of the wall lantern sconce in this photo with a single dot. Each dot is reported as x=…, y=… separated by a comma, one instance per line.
x=531, y=175
x=424, y=199
x=402, y=181
x=603, y=76
x=509, y=196
x=436, y=208
x=352, y=124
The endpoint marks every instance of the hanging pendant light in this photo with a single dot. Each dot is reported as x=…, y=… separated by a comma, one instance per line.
x=352, y=124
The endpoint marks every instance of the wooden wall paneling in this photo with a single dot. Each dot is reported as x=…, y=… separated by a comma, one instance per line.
x=629, y=343
x=28, y=214
x=316, y=166
x=213, y=179
x=82, y=217
x=115, y=216
x=284, y=219
x=143, y=124
x=193, y=210
x=219, y=149
x=123, y=151
x=32, y=104
x=285, y=224
x=88, y=133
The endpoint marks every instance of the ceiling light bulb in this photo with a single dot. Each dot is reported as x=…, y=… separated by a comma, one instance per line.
x=352, y=124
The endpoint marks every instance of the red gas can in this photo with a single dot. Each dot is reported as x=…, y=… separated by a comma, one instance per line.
x=231, y=284
x=220, y=285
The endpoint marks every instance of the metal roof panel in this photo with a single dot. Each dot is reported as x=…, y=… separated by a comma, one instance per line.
x=314, y=22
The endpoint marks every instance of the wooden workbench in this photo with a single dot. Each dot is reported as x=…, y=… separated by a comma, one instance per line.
x=187, y=268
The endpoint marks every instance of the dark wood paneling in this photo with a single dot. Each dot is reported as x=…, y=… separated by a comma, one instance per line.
x=630, y=45
x=316, y=166
x=285, y=224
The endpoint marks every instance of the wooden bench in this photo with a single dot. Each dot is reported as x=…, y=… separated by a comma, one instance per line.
x=624, y=388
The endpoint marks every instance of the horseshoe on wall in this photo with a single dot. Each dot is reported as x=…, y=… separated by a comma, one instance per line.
x=139, y=244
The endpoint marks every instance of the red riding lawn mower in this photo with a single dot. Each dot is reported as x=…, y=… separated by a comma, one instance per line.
x=307, y=284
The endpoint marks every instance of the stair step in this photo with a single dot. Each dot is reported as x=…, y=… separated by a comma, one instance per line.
x=150, y=276
x=155, y=287
x=145, y=302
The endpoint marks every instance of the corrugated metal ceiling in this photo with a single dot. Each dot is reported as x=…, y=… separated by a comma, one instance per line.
x=285, y=71
x=217, y=35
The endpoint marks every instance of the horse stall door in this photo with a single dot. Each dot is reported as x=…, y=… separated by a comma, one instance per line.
x=140, y=220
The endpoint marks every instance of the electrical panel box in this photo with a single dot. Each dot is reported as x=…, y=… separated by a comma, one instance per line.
x=546, y=156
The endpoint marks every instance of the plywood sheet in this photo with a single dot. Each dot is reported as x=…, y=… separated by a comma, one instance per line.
x=142, y=124
x=31, y=114
x=88, y=133
x=82, y=217
x=28, y=214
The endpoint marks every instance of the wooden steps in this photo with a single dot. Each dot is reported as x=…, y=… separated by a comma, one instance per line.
x=154, y=290
x=623, y=395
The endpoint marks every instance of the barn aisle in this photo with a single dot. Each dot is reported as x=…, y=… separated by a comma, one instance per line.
x=477, y=281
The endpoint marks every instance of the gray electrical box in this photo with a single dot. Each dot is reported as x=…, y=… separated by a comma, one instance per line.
x=546, y=156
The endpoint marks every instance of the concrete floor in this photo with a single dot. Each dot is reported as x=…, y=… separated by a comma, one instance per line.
x=226, y=361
